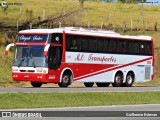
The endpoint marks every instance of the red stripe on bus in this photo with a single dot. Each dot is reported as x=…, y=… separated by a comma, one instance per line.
x=64, y=47
x=57, y=45
x=110, y=69
x=30, y=43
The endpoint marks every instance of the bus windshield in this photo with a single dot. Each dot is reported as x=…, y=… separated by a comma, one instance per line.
x=30, y=56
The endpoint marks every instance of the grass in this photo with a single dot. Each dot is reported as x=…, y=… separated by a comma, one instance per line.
x=5, y=67
x=50, y=100
x=95, y=14
x=44, y=9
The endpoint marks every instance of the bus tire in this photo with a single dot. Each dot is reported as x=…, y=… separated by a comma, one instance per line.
x=102, y=84
x=129, y=80
x=89, y=84
x=66, y=79
x=36, y=84
x=118, y=79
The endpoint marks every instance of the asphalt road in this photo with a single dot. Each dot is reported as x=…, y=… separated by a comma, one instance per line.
x=78, y=89
x=118, y=112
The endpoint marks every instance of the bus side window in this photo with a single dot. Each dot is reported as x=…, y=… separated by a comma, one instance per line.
x=124, y=48
x=73, y=45
x=56, y=38
x=118, y=46
x=148, y=48
x=130, y=47
x=142, y=47
x=106, y=45
x=100, y=45
x=84, y=44
x=92, y=44
x=109, y=45
x=136, y=47
x=114, y=45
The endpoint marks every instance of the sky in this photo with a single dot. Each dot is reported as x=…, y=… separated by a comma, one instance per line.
x=153, y=1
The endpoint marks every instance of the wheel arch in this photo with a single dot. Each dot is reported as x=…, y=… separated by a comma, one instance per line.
x=118, y=71
x=68, y=70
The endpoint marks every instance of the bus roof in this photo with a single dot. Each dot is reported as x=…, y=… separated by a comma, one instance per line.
x=82, y=31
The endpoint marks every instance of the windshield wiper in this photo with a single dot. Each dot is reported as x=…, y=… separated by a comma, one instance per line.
x=25, y=59
x=22, y=61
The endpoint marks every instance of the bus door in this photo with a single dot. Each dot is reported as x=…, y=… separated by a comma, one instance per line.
x=55, y=51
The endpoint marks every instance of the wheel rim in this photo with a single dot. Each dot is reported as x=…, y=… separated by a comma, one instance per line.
x=118, y=79
x=65, y=79
x=129, y=79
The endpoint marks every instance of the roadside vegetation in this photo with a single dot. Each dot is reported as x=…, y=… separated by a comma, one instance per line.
x=50, y=100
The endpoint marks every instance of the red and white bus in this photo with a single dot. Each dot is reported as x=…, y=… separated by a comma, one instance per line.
x=66, y=55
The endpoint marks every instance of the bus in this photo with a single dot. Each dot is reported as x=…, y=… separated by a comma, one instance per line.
x=91, y=56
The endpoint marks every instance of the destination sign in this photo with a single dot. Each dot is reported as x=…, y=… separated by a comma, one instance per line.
x=32, y=38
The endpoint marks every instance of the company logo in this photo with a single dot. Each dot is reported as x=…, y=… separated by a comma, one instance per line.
x=36, y=37
x=21, y=114
x=5, y=4
x=6, y=114
x=79, y=57
x=25, y=38
x=94, y=58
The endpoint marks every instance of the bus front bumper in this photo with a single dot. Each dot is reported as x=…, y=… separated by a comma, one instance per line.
x=36, y=77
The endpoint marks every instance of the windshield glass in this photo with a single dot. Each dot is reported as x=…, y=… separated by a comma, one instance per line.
x=30, y=56
x=32, y=37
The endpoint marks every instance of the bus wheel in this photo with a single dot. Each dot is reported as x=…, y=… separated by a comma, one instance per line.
x=36, y=84
x=65, y=82
x=117, y=80
x=102, y=84
x=89, y=84
x=129, y=80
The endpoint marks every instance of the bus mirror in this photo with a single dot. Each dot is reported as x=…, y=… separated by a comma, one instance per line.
x=46, y=48
x=8, y=47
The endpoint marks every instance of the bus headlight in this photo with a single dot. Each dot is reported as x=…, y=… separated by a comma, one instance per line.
x=44, y=71
x=14, y=70
x=39, y=70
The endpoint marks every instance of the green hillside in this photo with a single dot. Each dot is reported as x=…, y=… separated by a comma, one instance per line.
x=93, y=14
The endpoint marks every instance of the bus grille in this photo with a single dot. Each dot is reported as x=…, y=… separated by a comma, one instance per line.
x=147, y=72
